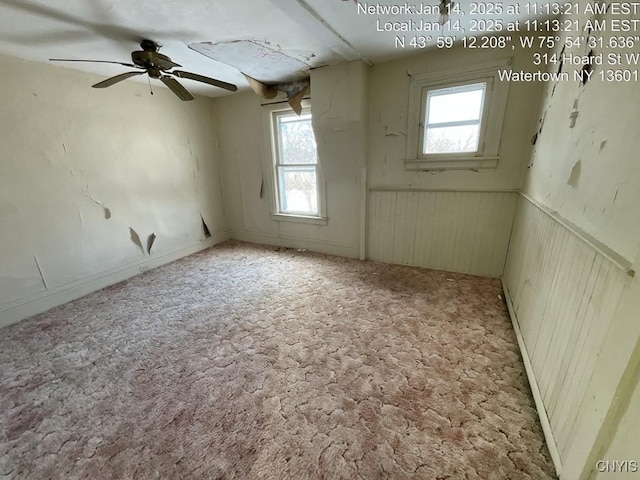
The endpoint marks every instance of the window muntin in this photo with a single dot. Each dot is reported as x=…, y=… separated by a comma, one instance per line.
x=296, y=164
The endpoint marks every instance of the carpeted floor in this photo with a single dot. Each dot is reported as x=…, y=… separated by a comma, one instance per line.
x=253, y=362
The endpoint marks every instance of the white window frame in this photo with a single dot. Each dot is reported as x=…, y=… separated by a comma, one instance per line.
x=494, y=106
x=270, y=113
x=482, y=121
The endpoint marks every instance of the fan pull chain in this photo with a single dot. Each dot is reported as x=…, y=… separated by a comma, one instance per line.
x=150, y=87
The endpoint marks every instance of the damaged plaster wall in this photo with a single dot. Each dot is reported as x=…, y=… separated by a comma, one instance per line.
x=603, y=198
x=82, y=169
x=429, y=215
x=338, y=103
x=584, y=172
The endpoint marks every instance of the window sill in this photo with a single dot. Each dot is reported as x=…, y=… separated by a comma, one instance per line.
x=458, y=163
x=283, y=217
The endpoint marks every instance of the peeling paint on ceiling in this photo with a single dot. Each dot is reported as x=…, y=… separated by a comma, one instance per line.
x=312, y=32
x=256, y=60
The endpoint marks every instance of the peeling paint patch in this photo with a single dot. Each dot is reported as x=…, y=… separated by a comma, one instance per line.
x=615, y=197
x=561, y=62
x=150, y=240
x=295, y=94
x=255, y=58
x=573, y=116
x=540, y=125
x=397, y=133
x=205, y=228
x=107, y=211
x=603, y=144
x=135, y=238
x=587, y=69
x=64, y=147
x=44, y=281
x=575, y=174
x=189, y=145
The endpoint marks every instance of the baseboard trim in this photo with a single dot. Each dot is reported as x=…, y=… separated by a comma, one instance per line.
x=26, y=307
x=330, y=248
x=535, y=390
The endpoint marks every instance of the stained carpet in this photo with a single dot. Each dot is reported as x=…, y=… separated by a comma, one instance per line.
x=249, y=362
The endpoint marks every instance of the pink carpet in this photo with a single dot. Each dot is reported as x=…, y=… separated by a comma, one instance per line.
x=248, y=362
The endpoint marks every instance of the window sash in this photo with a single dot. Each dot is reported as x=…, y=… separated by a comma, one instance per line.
x=278, y=116
x=282, y=198
x=280, y=168
x=441, y=92
x=448, y=89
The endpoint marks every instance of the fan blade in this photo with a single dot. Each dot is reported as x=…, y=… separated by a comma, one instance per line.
x=118, y=78
x=201, y=78
x=176, y=88
x=165, y=63
x=93, y=61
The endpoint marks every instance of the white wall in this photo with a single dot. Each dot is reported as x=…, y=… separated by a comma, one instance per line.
x=339, y=120
x=69, y=153
x=570, y=263
x=448, y=224
x=603, y=194
x=388, y=110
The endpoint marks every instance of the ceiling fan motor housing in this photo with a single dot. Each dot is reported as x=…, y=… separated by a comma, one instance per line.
x=149, y=45
x=147, y=59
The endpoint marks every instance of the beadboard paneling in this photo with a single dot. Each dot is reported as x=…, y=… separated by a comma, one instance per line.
x=457, y=231
x=564, y=294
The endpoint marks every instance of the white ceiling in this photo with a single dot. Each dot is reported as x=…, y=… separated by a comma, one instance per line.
x=318, y=32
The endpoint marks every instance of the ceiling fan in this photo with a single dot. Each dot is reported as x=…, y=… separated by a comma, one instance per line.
x=150, y=61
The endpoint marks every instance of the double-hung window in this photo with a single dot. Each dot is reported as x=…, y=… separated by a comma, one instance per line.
x=455, y=118
x=297, y=184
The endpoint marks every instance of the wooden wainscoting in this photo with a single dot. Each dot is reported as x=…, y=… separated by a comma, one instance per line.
x=459, y=231
x=563, y=291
